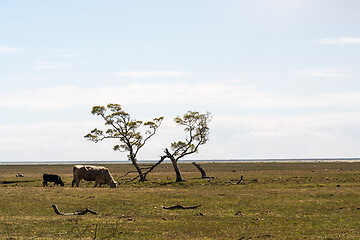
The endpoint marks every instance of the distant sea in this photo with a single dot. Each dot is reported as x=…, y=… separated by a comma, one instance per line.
x=189, y=161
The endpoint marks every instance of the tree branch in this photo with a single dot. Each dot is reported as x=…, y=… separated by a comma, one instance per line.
x=148, y=171
x=193, y=151
x=155, y=165
x=57, y=211
x=181, y=207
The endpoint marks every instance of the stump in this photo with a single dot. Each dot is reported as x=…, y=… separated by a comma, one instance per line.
x=202, y=171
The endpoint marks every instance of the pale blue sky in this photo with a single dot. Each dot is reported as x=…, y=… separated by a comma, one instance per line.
x=281, y=78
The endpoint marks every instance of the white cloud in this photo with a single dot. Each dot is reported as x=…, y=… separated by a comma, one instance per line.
x=145, y=74
x=325, y=134
x=215, y=94
x=69, y=53
x=9, y=49
x=271, y=125
x=65, y=55
x=68, y=50
x=325, y=73
x=232, y=136
x=65, y=141
x=52, y=141
x=51, y=65
x=342, y=40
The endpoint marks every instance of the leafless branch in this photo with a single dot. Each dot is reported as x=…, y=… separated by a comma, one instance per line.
x=181, y=207
x=57, y=211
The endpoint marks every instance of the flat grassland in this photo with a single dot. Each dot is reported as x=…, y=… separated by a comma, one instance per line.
x=313, y=200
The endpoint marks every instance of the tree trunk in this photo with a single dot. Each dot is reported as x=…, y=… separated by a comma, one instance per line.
x=176, y=168
x=177, y=171
x=203, y=173
x=138, y=169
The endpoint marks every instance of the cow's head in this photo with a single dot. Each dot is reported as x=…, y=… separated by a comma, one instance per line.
x=60, y=181
x=113, y=184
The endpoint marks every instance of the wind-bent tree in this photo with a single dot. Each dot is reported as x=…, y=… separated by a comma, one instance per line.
x=196, y=127
x=126, y=130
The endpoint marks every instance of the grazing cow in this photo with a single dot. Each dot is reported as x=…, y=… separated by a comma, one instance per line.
x=19, y=175
x=99, y=174
x=52, y=178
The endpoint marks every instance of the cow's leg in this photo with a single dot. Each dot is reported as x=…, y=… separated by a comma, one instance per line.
x=44, y=183
x=78, y=180
x=75, y=182
x=96, y=182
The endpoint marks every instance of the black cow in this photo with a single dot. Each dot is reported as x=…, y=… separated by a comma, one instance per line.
x=52, y=178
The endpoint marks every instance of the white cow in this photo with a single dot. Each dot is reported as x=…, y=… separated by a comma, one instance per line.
x=99, y=174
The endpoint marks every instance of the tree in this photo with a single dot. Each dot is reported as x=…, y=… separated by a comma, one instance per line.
x=126, y=130
x=196, y=127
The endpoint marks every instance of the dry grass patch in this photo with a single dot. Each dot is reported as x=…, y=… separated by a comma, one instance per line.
x=275, y=201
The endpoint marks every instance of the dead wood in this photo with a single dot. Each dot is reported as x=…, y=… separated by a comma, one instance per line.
x=11, y=182
x=180, y=207
x=147, y=172
x=202, y=171
x=238, y=182
x=57, y=211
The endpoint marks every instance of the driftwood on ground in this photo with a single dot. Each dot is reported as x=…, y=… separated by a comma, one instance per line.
x=11, y=182
x=238, y=182
x=57, y=211
x=181, y=207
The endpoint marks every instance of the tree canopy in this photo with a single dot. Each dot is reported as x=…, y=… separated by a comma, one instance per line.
x=133, y=134
x=197, y=133
x=127, y=130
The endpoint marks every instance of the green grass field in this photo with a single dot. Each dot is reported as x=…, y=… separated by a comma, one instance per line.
x=317, y=200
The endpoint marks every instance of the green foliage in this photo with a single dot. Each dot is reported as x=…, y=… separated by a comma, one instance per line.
x=122, y=127
x=196, y=127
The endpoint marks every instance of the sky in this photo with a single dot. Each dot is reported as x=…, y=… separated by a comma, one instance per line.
x=280, y=78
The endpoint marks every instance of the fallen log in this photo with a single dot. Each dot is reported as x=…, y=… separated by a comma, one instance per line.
x=180, y=207
x=57, y=211
x=11, y=182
